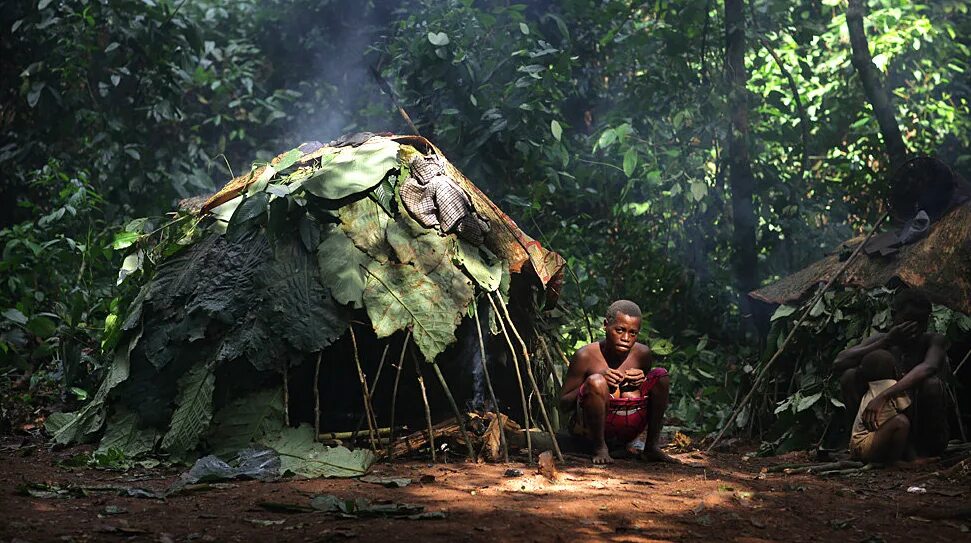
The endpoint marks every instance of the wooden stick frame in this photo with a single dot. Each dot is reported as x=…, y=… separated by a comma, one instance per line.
x=519, y=377
x=488, y=380
x=532, y=379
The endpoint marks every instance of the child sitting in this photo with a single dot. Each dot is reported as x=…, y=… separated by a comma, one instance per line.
x=887, y=442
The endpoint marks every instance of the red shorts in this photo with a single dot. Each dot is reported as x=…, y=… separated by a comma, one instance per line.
x=626, y=417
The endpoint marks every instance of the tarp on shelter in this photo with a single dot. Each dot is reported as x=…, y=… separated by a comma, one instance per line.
x=940, y=264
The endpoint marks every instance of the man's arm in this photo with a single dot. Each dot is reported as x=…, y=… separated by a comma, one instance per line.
x=582, y=365
x=645, y=361
x=575, y=375
x=931, y=365
x=850, y=358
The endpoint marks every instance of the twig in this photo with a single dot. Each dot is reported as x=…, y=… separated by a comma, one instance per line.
x=317, y=396
x=368, y=410
x=549, y=359
x=488, y=380
x=819, y=468
x=394, y=393
x=286, y=393
x=374, y=385
x=792, y=333
x=963, y=360
x=848, y=471
x=519, y=377
x=532, y=380
x=386, y=87
x=455, y=410
x=428, y=410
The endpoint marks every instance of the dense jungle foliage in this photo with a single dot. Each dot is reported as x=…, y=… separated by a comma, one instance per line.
x=602, y=127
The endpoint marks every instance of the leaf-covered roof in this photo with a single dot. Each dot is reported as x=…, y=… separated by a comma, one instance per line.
x=940, y=264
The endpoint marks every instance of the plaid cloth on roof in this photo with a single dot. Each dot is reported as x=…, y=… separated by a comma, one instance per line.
x=435, y=200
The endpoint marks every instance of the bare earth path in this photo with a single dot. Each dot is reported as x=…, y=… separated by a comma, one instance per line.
x=717, y=497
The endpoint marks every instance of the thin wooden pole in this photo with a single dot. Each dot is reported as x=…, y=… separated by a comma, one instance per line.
x=286, y=393
x=374, y=385
x=428, y=409
x=394, y=393
x=963, y=360
x=317, y=396
x=532, y=380
x=549, y=359
x=455, y=410
x=492, y=394
x=815, y=300
x=519, y=377
x=368, y=410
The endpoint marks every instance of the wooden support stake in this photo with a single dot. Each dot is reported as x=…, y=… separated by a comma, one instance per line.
x=286, y=393
x=488, y=380
x=368, y=410
x=394, y=393
x=317, y=396
x=374, y=385
x=428, y=409
x=816, y=299
x=455, y=409
x=519, y=377
x=532, y=380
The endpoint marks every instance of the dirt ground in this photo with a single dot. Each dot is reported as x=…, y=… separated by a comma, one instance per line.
x=721, y=497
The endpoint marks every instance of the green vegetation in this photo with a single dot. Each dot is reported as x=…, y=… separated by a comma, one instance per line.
x=602, y=128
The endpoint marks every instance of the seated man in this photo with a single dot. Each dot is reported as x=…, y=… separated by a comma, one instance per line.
x=918, y=357
x=611, y=390
x=888, y=443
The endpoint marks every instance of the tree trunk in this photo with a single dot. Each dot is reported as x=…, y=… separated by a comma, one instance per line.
x=876, y=94
x=739, y=167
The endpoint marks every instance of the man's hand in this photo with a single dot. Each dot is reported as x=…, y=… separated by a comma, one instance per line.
x=634, y=377
x=871, y=411
x=614, y=377
x=905, y=331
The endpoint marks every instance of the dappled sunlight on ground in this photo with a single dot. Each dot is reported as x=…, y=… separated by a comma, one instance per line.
x=720, y=497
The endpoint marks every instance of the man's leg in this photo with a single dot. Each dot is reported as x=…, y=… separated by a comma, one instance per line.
x=929, y=419
x=657, y=404
x=889, y=442
x=593, y=403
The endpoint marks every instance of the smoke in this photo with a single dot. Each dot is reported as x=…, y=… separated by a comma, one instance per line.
x=344, y=38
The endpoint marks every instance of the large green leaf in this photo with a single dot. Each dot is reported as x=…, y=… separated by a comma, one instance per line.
x=302, y=456
x=216, y=275
x=398, y=296
x=245, y=421
x=193, y=411
x=123, y=433
x=342, y=266
x=365, y=222
x=252, y=337
x=90, y=417
x=426, y=250
x=303, y=311
x=487, y=273
x=354, y=170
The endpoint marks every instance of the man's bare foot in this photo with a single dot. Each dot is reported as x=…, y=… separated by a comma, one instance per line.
x=601, y=455
x=654, y=454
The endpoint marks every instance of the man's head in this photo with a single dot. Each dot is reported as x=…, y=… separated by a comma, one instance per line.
x=912, y=304
x=622, y=323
